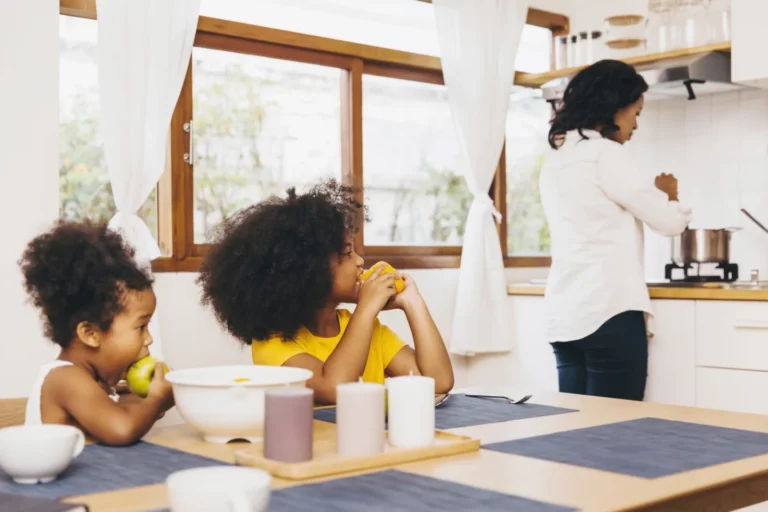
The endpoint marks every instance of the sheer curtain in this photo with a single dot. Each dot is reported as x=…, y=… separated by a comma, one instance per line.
x=144, y=47
x=478, y=43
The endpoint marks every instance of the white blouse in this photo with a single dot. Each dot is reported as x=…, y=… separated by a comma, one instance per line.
x=596, y=199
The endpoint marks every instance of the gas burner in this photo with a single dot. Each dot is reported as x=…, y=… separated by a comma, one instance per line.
x=728, y=272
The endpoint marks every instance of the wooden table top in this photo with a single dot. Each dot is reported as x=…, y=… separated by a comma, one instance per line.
x=722, y=487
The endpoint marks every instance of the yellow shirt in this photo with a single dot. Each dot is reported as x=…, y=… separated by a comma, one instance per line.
x=384, y=346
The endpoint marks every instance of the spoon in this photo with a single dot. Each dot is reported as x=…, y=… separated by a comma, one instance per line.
x=509, y=400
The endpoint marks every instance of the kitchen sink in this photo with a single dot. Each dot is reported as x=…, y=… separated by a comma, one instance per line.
x=686, y=284
x=747, y=285
x=715, y=285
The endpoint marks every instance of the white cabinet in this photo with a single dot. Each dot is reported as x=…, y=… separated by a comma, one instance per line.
x=732, y=334
x=732, y=390
x=672, y=353
x=748, y=63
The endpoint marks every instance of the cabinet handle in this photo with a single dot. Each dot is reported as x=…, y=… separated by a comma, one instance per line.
x=750, y=324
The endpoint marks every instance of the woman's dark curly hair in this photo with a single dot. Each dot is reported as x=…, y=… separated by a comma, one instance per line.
x=268, y=270
x=594, y=96
x=78, y=272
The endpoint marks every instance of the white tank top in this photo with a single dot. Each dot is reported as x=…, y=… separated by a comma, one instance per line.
x=34, y=415
x=34, y=412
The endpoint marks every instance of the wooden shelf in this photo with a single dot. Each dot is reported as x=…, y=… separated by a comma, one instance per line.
x=538, y=79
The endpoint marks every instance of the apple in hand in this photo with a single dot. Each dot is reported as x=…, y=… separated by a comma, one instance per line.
x=140, y=375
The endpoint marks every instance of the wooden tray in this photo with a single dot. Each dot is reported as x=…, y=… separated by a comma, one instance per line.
x=327, y=462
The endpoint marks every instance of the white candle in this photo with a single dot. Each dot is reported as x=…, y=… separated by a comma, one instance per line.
x=411, y=412
x=359, y=419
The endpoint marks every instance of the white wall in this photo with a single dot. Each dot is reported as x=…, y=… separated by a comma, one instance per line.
x=29, y=66
x=717, y=146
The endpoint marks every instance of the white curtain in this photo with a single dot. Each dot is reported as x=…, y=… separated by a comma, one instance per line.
x=144, y=48
x=478, y=44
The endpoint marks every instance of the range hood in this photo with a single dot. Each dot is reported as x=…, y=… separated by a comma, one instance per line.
x=682, y=77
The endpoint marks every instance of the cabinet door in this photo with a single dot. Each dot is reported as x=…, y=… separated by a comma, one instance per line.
x=732, y=334
x=672, y=354
x=748, y=63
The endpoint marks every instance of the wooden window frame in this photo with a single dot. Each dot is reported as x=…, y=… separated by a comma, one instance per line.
x=176, y=187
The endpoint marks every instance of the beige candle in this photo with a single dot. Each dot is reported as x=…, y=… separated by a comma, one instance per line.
x=359, y=418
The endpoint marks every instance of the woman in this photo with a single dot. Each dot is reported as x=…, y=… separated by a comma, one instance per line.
x=596, y=200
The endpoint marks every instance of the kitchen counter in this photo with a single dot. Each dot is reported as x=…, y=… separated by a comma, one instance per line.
x=670, y=291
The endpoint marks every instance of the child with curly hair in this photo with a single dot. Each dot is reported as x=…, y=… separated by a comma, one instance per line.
x=96, y=304
x=276, y=275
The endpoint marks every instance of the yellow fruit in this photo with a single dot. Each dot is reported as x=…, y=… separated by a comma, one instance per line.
x=388, y=269
x=140, y=375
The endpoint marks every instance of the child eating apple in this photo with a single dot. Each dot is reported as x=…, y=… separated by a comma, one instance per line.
x=275, y=278
x=96, y=304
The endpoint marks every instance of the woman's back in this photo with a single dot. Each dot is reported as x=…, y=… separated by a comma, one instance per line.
x=597, y=245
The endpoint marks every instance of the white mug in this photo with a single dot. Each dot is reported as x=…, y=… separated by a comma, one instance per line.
x=33, y=454
x=221, y=488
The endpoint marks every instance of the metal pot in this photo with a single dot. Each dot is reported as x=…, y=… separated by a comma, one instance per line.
x=702, y=246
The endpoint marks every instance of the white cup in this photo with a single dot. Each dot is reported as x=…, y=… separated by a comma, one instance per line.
x=220, y=488
x=33, y=454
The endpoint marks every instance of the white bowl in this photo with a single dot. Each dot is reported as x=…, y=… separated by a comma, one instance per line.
x=233, y=488
x=223, y=410
x=33, y=454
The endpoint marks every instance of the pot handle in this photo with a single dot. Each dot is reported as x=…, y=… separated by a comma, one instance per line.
x=760, y=225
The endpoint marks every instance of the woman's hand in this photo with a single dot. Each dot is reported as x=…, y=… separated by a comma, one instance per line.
x=667, y=183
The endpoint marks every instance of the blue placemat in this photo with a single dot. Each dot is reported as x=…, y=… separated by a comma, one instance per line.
x=106, y=468
x=463, y=411
x=647, y=447
x=395, y=491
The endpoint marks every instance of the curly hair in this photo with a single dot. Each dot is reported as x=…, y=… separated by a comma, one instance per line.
x=78, y=272
x=268, y=269
x=593, y=97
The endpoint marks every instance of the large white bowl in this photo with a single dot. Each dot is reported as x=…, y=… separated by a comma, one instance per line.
x=221, y=409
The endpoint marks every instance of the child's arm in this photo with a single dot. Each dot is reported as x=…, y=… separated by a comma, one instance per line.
x=82, y=398
x=430, y=357
x=347, y=361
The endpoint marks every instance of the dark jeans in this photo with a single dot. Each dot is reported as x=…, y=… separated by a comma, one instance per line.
x=611, y=362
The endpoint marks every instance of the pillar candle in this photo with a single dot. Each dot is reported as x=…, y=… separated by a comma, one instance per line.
x=288, y=417
x=411, y=412
x=359, y=419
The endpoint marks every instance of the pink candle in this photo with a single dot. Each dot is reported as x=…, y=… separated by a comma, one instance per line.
x=288, y=417
x=359, y=419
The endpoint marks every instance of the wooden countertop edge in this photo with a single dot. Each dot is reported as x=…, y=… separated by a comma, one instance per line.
x=663, y=293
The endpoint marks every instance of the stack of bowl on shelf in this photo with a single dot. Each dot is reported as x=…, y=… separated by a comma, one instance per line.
x=669, y=25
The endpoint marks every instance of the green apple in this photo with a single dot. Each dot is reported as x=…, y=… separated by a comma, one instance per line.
x=140, y=375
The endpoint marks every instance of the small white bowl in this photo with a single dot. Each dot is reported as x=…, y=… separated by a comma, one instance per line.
x=33, y=454
x=234, y=488
x=222, y=409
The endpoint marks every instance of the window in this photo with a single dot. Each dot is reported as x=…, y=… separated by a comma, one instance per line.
x=413, y=186
x=527, y=128
x=84, y=190
x=260, y=126
x=352, y=90
x=405, y=25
